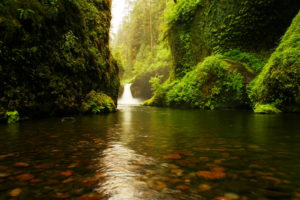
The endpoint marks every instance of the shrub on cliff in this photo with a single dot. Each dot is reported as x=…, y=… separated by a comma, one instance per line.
x=215, y=83
x=279, y=82
x=97, y=103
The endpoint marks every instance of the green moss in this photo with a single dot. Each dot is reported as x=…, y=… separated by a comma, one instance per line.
x=266, y=109
x=12, y=117
x=198, y=29
x=215, y=83
x=97, y=103
x=53, y=53
x=256, y=61
x=182, y=12
x=279, y=82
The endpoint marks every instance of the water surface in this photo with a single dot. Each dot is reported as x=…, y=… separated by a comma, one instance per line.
x=142, y=153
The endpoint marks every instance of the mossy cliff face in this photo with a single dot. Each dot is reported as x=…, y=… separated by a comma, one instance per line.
x=215, y=83
x=199, y=28
x=53, y=53
x=279, y=83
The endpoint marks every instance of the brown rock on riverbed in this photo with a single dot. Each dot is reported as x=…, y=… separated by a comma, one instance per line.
x=172, y=156
x=25, y=177
x=211, y=174
x=15, y=192
x=21, y=164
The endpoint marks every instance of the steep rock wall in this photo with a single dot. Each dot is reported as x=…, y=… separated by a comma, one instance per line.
x=199, y=28
x=53, y=53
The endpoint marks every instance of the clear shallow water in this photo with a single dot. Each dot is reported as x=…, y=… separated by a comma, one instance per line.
x=153, y=153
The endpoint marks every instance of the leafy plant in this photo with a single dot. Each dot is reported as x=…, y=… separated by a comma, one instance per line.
x=25, y=13
x=97, y=103
x=279, y=82
x=266, y=109
x=12, y=116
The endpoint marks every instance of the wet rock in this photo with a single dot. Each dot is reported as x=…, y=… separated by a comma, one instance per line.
x=211, y=174
x=3, y=168
x=15, y=192
x=62, y=196
x=54, y=136
x=67, y=173
x=226, y=155
x=222, y=198
x=178, y=172
x=51, y=182
x=232, y=196
x=277, y=193
x=204, y=187
x=68, y=180
x=99, y=175
x=44, y=166
x=3, y=157
x=73, y=165
x=182, y=187
x=89, y=182
x=271, y=179
x=99, y=141
x=218, y=169
x=174, y=180
x=244, y=198
x=172, y=166
x=184, y=152
x=56, y=150
x=203, y=159
x=25, y=177
x=255, y=166
x=93, y=196
x=21, y=164
x=4, y=175
x=70, y=119
x=36, y=181
x=160, y=185
x=139, y=183
x=172, y=156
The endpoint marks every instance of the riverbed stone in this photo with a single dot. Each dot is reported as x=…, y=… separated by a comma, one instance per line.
x=204, y=187
x=15, y=192
x=232, y=196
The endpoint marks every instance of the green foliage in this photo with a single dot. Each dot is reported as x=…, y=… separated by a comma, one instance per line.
x=155, y=82
x=97, y=103
x=182, y=12
x=266, y=109
x=138, y=41
x=279, y=82
x=198, y=29
x=12, y=117
x=140, y=48
x=215, y=83
x=256, y=61
x=25, y=13
x=52, y=53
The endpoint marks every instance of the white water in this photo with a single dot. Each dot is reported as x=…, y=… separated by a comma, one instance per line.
x=127, y=98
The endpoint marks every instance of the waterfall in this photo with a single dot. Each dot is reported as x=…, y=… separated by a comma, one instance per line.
x=127, y=98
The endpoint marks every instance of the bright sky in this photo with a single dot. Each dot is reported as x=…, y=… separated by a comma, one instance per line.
x=118, y=13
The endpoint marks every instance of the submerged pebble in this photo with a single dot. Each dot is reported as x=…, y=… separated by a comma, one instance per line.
x=232, y=196
x=15, y=192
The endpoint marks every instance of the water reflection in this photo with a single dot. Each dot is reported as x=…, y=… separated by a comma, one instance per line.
x=153, y=154
x=121, y=165
x=121, y=172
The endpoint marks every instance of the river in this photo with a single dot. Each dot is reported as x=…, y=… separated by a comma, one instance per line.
x=143, y=153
